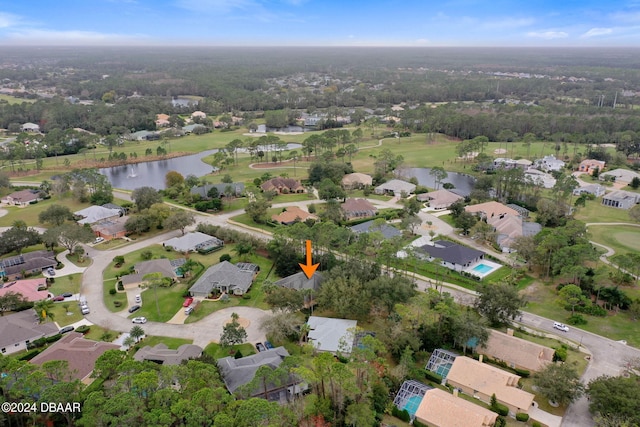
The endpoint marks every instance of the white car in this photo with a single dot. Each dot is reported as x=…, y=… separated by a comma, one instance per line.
x=561, y=326
x=99, y=239
x=139, y=320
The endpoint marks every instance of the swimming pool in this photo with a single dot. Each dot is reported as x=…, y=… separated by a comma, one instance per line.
x=482, y=268
x=412, y=405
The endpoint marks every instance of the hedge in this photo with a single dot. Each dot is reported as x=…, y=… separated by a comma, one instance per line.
x=30, y=354
x=500, y=409
x=83, y=329
x=401, y=414
x=417, y=423
x=522, y=372
x=432, y=376
x=521, y=416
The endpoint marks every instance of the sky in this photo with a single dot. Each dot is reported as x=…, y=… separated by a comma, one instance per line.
x=556, y=23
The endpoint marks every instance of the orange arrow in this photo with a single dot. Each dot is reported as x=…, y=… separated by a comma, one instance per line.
x=309, y=268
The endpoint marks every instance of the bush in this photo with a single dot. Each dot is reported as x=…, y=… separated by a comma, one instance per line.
x=119, y=260
x=120, y=286
x=536, y=424
x=246, y=296
x=225, y=257
x=83, y=329
x=432, y=376
x=521, y=416
x=500, y=422
x=577, y=319
x=522, y=372
x=112, y=291
x=401, y=414
x=117, y=303
x=417, y=423
x=560, y=354
x=146, y=255
x=500, y=409
x=238, y=354
x=30, y=354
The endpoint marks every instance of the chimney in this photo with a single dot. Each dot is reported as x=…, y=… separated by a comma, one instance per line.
x=455, y=392
x=510, y=332
x=480, y=359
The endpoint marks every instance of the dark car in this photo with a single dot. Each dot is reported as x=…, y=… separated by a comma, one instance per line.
x=67, y=295
x=58, y=298
x=66, y=329
x=260, y=347
x=134, y=308
x=268, y=345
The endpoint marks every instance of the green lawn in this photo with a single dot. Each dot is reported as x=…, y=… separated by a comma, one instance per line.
x=595, y=211
x=98, y=333
x=13, y=100
x=60, y=313
x=86, y=261
x=172, y=343
x=64, y=284
x=161, y=304
x=216, y=351
x=622, y=239
x=246, y=220
x=30, y=213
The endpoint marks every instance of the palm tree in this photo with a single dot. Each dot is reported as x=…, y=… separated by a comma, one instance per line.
x=43, y=309
x=129, y=341
x=244, y=249
x=136, y=333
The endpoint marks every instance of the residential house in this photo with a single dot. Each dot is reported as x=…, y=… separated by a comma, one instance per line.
x=489, y=210
x=439, y=408
x=481, y=381
x=162, y=120
x=439, y=199
x=19, y=329
x=108, y=229
x=162, y=355
x=589, y=165
x=237, y=373
x=162, y=266
x=395, y=187
x=549, y=164
x=198, y=115
x=356, y=180
x=454, y=256
x=624, y=176
x=299, y=281
x=22, y=198
x=233, y=189
x=293, y=214
x=123, y=211
x=94, y=214
x=509, y=227
x=516, y=352
x=31, y=290
x=387, y=231
x=30, y=127
x=80, y=353
x=539, y=178
x=194, y=242
x=332, y=335
x=621, y=199
x=191, y=128
x=226, y=278
x=503, y=163
x=524, y=163
x=595, y=189
x=358, y=208
x=283, y=185
x=143, y=135
x=28, y=263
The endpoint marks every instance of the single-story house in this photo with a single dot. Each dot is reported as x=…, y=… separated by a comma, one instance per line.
x=504, y=163
x=439, y=408
x=226, y=278
x=439, y=199
x=490, y=210
x=395, y=187
x=481, y=381
x=30, y=127
x=595, y=189
x=80, y=353
x=31, y=290
x=233, y=189
x=299, y=281
x=199, y=115
x=29, y=263
x=509, y=227
x=292, y=215
x=238, y=372
x=624, y=176
x=94, y=214
x=387, y=230
x=454, y=256
x=621, y=199
x=191, y=128
x=162, y=355
x=110, y=228
x=143, y=135
x=22, y=197
x=123, y=211
x=193, y=242
x=19, y=329
x=283, y=185
x=356, y=180
x=332, y=335
x=589, y=165
x=539, y=178
x=516, y=352
x=549, y=163
x=162, y=266
x=358, y=208
x=162, y=116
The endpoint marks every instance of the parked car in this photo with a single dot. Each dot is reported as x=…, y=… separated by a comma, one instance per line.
x=85, y=309
x=189, y=310
x=138, y=299
x=187, y=302
x=561, y=326
x=260, y=346
x=66, y=329
x=58, y=298
x=134, y=308
x=139, y=320
x=67, y=295
x=268, y=345
x=51, y=271
x=99, y=239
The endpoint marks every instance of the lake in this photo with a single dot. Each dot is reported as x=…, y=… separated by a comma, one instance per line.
x=463, y=183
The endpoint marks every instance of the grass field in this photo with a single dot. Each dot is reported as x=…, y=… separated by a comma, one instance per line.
x=66, y=316
x=620, y=238
x=29, y=214
x=13, y=100
x=64, y=284
x=594, y=211
x=172, y=343
x=216, y=351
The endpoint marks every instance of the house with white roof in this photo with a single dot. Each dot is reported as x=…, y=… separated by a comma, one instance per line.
x=624, y=176
x=549, y=163
x=94, y=214
x=332, y=335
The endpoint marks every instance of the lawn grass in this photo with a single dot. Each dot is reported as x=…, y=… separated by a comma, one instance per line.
x=622, y=239
x=60, y=313
x=70, y=283
x=13, y=100
x=246, y=220
x=110, y=299
x=161, y=304
x=108, y=245
x=595, y=211
x=29, y=214
x=216, y=351
x=98, y=333
x=86, y=261
x=170, y=342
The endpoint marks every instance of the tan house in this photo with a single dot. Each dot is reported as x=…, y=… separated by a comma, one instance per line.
x=358, y=208
x=22, y=198
x=162, y=266
x=356, y=180
x=293, y=214
x=490, y=210
x=199, y=114
x=439, y=199
x=589, y=165
x=283, y=185
x=516, y=352
x=111, y=228
x=481, y=381
x=441, y=409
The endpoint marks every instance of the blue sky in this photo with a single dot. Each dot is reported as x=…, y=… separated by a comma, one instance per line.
x=321, y=22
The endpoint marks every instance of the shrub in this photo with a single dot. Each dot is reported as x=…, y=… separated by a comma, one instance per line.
x=225, y=257
x=238, y=354
x=432, y=376
x=536, y=424
x=560, y=354
x=117, y=303
x=83, y=329
x=522, y=372
x=30, y=354
x=120, y=286
x=521, y=416
x=119, y=260
x=577, y=319
x=246, y=296
x=401, y=414
x=417, y=423
x=112, y=291
x=146, y=255
x=500, y=422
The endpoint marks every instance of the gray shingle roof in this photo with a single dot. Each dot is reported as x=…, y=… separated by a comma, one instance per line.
x=238, y=372
x=329, y=334
x=367, y=227
x=161, y=353
x=451, y=252
x=192, y=242
x=23, y=326
x=299, y=281
x=223, y=274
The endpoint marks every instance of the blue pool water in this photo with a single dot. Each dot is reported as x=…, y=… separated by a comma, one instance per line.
x=482, y=268
x=412, y=404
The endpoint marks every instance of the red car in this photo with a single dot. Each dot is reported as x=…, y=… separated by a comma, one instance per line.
x=187, y=302
x=58, y=298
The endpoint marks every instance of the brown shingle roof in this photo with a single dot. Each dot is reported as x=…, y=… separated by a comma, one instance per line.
x=292, y=214
x=355, y=206
x=491, y=209
x=281, y=183
x=513, y=350
x=441, y=409
x=439, y=199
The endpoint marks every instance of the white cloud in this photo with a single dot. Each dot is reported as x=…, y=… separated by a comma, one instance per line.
x=71, y=37
x=548, y=35
x=594, y=32
x=9, y=20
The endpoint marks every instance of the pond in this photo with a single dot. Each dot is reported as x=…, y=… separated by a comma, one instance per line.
x=463, y=183
x=151, y=174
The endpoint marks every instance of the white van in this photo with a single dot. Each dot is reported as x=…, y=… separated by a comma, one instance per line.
x=561, y=326
x=85, y=309
x=189, y=310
